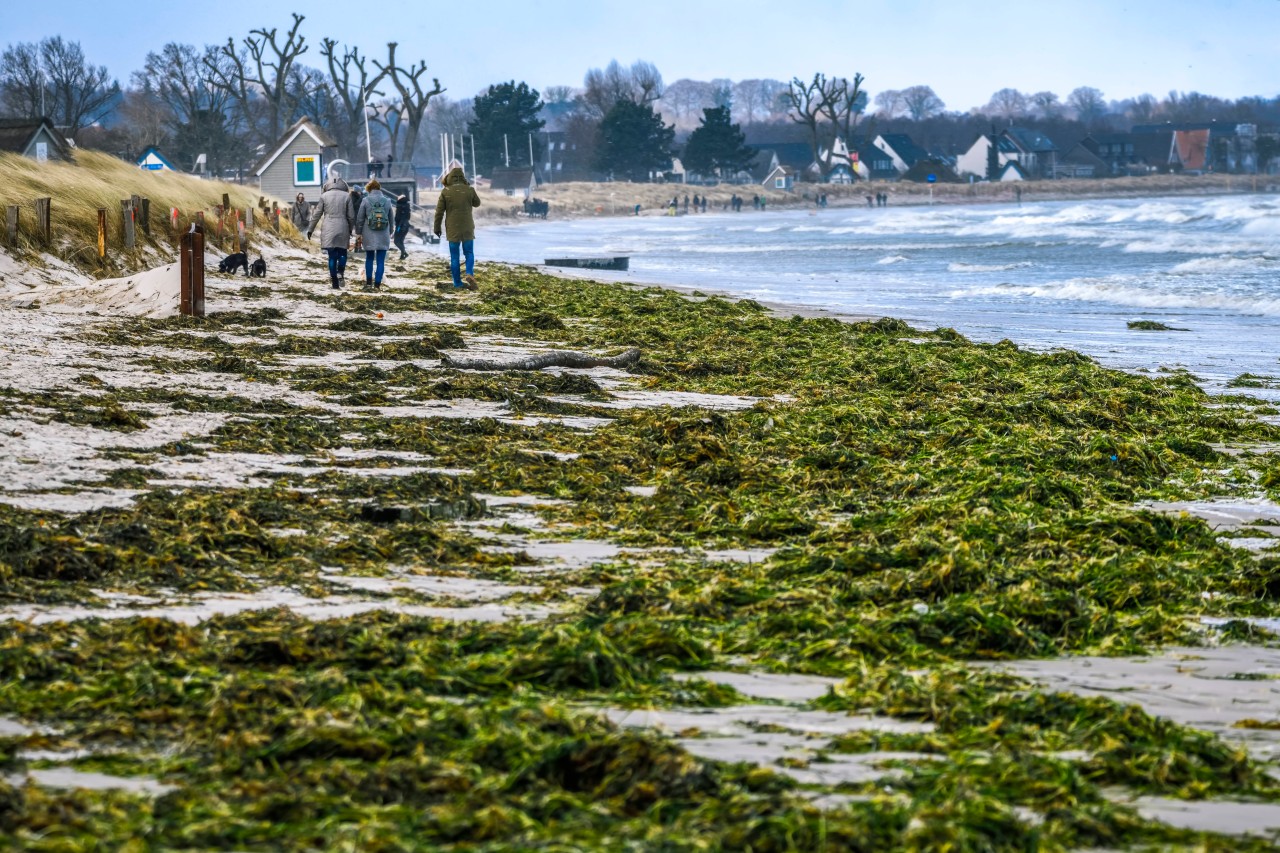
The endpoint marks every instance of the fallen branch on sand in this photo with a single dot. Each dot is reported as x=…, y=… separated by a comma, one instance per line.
x=537, y=361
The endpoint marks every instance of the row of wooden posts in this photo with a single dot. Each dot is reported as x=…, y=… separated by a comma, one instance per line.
x=135, y=213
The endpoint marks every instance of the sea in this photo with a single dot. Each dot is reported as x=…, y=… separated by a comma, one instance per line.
x=1046, y=275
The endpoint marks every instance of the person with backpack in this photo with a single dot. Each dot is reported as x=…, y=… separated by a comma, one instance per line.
x=339, y=216
x=453, y=208
x=373, y=224
x=402, y=224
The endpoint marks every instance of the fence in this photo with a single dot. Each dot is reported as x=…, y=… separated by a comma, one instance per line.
x=231, y=228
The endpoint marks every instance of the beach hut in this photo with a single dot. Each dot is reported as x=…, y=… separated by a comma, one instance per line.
x=153, y=161
x=296, y=163
x=780, y=178
x=515, y=179
x=34, y=138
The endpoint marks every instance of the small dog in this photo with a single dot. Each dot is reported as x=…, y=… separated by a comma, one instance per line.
x=231, y=263
x=258, y=269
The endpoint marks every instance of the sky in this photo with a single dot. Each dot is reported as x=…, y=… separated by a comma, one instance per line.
x=964, y=49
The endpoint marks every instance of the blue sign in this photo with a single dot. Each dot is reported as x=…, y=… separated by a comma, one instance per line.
x=932, y=178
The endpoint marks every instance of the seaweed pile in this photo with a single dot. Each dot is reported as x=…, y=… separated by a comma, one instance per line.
x=927, y=504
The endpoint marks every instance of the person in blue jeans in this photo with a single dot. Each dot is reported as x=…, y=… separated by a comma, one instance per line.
x=373, y=224
x=339, y=216
x=453, y=210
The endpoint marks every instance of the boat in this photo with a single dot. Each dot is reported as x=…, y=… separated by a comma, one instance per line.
x=619, y=263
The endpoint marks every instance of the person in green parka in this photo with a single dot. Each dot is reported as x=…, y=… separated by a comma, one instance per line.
x=453, y=208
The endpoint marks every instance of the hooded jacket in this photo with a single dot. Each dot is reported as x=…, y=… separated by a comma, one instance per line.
x=456, y=200
x=338, y=213
x=375, y=240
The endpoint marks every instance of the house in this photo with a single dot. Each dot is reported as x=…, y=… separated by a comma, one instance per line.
x=153, y=161
x=1131, y=153
x=34, y=138
x=797, y=155
x=1207, y=146
x=1081, y=162
x=297, y=162
x=1189, y=150
x=512, y=179
x=1013, y=171
x=901, y=150
x=973, y=162
x=872, y=164
x=780, y=178
x=1036, y=152
x=840, y=170
x=931, y=167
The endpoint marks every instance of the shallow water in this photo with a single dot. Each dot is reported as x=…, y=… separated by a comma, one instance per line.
x=1054, y=274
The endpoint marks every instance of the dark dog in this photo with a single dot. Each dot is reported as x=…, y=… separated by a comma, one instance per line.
x=231, y=263
x=258, y=269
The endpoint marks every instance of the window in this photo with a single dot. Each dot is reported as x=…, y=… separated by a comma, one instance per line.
x=779, y=183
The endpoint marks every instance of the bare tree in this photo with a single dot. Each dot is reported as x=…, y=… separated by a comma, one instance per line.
x=1009, y=103
x=557, y=95
x=1088, y=103
x=848, y=101
x=889, y=103
x=684, y=100
x=179, y=77
x=824, y=106
x=415, y=97
x=22, y=81
x=1143, y=108
x=921, y=102
x=353, y=85
x=82, y=93
x=262, y=69
x=1046, y=104
x=602, y=88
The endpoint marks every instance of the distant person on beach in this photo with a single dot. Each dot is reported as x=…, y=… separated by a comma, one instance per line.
x=300, y=213
x=869, y=204
x=697, y=203
x=338, y=213
x=686, y=202
x=755, y=201
x=453, y=209
x=704, y=204
x=637, y=209
x=402, y=224
x=373, y=222
x=763, y=201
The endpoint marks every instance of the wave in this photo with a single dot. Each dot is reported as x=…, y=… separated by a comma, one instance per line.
x=1129, y=295
x=1226, y=263
x=892, y=259
x=963, y=267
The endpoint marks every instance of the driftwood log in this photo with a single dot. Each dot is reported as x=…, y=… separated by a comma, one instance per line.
x=537, y=361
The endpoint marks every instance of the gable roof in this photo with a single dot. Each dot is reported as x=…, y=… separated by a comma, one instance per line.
x=16, y=134
x=301, y=126
x=1031, y=141
x=797, y=155
x=156, y=151
x=1191, y=147
x=1017, y=168
x=905, y=147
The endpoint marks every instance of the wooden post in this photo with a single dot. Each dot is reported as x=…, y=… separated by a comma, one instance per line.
x=102, y=234
x=11, y=224
x=226, y=201
x=191, y=272
x=146, y=216
x=221, y=215
x=44, y=225
x=126, y=222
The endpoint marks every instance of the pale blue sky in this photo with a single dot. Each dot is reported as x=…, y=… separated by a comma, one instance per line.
x=965, y=49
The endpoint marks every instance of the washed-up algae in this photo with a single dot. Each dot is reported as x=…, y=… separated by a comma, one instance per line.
x=934, y=501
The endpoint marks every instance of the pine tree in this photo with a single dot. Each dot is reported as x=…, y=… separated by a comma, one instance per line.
x=632, y=141
x=717, y=146
x=510, y=110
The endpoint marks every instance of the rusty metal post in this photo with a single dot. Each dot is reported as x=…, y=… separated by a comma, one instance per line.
x=11, y=224
x=126, y=222
x=191, y=272
x=44, y=222
x=102, y=234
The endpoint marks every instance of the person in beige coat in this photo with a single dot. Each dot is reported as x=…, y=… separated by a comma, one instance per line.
x=453, y=208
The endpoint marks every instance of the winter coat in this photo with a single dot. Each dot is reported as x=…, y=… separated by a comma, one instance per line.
x=402, y=213
x=456, y=199
x=372, y=240
x=338, y=213
x=300, y=214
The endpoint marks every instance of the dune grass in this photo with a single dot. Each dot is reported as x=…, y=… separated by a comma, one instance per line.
x=97, y=180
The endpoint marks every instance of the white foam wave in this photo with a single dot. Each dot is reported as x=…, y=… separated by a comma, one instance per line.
x=963, y=267
x=1225, y=264
x=1129, y=295
x=892, y=259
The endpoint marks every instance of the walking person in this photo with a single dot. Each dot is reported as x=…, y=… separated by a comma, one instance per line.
x=373, y=225
x=338, y=213
x=300, y=213
x=453, y=209
x=402, y=224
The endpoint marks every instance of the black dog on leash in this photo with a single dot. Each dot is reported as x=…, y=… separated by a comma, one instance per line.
x=231, y=263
